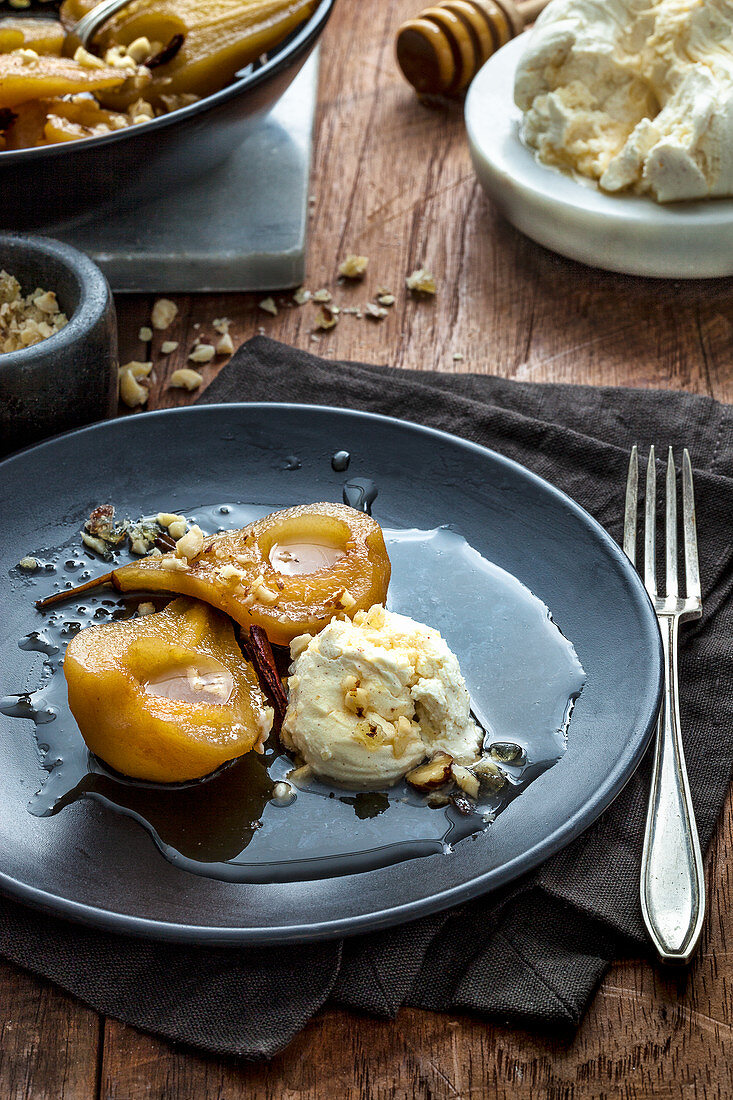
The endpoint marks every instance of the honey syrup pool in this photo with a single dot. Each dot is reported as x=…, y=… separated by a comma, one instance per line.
x=522, y=674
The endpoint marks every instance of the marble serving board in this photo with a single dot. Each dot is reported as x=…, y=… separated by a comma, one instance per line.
x=253, y=235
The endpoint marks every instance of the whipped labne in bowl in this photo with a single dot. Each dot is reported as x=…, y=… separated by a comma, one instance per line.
x=634, y=94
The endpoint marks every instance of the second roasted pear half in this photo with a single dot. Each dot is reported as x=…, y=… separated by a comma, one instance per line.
x=166, y=697
x=290, y=572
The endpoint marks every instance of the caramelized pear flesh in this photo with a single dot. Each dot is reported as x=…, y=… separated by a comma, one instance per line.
x=167, y=697
x=219, y=37
x=237, y=571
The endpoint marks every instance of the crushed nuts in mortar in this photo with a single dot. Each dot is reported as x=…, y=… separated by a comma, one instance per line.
x=26, y=320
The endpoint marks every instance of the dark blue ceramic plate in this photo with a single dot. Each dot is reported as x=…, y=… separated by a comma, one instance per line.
x=91, y=864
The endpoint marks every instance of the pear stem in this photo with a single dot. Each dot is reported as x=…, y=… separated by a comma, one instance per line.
x=67, y=593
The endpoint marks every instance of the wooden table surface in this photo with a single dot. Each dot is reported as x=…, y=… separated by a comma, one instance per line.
x=392, y=180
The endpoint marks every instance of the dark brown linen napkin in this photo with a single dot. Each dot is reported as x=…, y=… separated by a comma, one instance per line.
x=545, y=941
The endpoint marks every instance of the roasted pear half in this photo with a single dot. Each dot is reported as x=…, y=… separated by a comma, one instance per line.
x=165, y=697
x=290, y=572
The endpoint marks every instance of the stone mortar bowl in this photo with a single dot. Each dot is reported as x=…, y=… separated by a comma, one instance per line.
x=70, y=378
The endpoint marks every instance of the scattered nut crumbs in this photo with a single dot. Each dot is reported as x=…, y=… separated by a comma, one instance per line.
x=268, y=305
x=421, y=282
x=385, y=298
x=224, y=345
x=457, y=357
x=163, y=314
x=354, y=267
x=221, y=325
x=301, y=296
x=137, y=369
x=168, y=346
x=185, y=378
x=327, y=317
x=202, y=353
x=26, y=320
x=131, y=392
x=322, y=295
x=377, y=313
x=145, y=334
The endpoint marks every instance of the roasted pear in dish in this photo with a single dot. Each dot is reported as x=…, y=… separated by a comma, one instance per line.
x=290, y=572
x=214, y=38
x=31, y=33
x=165, y=697
x=24, y=78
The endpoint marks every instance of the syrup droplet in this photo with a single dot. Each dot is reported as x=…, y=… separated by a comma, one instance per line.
x=292, y=462
x=206, y=681
x=28, y=705
x=38, y=641
x=360, y=493
x=291, y=558
x=340, y=461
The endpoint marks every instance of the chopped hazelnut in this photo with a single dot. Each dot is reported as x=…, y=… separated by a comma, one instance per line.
x=168, y=346
x=321, y=295
x=28, y=563
x=163, y=314
x=131, y=392
x=426, y=777
x=178, y=529
x=377, y=313
x=145, y=334
x=137, y=368
x=221, y=325
x=224, y=345
x=327, y=317
x=185, y=379
x=165, y=519
x=268, y=305
x=84, y=58
x=421, y=282
x=301, y=296
x=354, y=267
x=202, y=353
x=26, y=320
x=466, y=780
x=178, y=564
x=231, y=575
x=140, y=50
x=191, y=544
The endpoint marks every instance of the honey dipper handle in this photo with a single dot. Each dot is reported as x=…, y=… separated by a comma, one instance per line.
x=532, y=9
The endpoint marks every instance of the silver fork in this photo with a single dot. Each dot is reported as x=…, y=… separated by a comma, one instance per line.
x=672, y=878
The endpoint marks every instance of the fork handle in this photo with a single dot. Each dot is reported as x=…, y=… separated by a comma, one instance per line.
x=672, y=878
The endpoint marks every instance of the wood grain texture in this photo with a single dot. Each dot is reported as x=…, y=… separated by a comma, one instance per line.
x=392, y=180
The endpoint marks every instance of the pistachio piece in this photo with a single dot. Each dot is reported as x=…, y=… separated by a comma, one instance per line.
x=489, y=774
x=507, y=752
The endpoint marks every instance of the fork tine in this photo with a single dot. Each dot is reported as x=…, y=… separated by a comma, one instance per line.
x=650, y=533
x=671, y=526
x=689, y=524
x=632, y=503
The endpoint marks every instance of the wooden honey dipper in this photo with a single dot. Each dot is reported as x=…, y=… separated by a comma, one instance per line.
x=441, y=51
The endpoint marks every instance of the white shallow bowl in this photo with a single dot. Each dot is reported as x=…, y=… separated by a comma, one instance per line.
x=691, y=240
